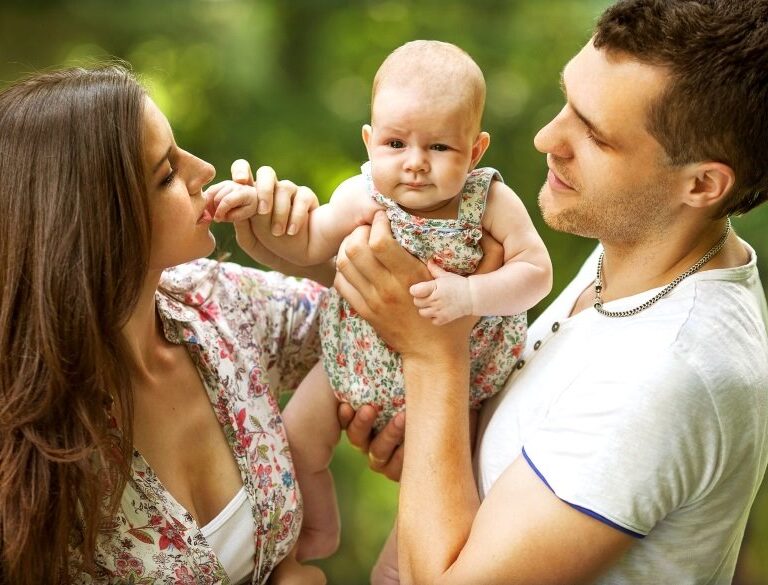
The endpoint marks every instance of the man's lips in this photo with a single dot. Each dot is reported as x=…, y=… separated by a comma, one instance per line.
x=556, y=182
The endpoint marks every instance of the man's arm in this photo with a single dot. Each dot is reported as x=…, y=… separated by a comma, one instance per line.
x=521, y=533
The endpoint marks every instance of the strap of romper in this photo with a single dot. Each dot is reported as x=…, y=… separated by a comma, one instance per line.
x=475, y=193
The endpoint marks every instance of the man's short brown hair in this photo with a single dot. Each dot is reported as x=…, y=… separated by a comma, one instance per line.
x=715, y=106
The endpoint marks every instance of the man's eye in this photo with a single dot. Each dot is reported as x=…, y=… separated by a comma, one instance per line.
x=396, y=144
x=440, y=147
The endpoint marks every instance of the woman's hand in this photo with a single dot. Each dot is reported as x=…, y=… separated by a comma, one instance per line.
x=279, y=204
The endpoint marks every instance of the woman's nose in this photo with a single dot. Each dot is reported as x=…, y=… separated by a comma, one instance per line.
x=203, y=174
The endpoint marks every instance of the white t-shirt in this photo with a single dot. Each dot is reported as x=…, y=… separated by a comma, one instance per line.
x=656, y=424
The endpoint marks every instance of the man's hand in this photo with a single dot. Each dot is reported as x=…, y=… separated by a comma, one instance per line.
x=385, y=449
x=374, y=276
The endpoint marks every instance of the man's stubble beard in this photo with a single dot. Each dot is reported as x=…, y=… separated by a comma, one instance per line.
x=621, y=217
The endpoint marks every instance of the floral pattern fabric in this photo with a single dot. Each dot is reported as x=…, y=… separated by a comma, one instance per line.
x=361, y=368
x=252, y=334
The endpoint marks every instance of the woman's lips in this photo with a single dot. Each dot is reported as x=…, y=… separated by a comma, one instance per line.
x=205, y=217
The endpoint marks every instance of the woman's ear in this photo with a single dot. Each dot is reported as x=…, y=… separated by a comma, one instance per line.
x=482, y=142
x=367, y=133
x=710, y=185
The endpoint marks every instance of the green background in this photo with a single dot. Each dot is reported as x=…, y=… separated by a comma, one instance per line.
x=287, y=83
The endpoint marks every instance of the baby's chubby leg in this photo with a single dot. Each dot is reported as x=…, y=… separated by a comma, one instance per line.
x=313, y=431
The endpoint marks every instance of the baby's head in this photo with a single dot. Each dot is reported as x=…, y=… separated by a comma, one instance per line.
x=426, y=109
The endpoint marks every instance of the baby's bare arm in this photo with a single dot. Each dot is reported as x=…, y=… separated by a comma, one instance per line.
x=319, y=239
x=526, y=276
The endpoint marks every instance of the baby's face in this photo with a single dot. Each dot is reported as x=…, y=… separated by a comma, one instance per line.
x=421, y=147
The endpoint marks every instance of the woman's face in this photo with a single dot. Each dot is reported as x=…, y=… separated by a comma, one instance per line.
x=175, y=180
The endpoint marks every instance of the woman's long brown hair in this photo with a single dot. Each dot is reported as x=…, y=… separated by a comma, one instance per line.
x=73, y=255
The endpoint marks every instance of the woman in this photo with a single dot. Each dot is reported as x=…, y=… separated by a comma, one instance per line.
x=140, y=440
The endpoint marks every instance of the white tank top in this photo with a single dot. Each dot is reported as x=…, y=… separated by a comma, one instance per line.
x=231, y=536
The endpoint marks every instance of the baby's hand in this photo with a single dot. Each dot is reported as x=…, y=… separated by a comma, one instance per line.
x=233, y=201
x=443, y=299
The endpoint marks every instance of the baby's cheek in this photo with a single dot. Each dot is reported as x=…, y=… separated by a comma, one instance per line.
x=383, y=180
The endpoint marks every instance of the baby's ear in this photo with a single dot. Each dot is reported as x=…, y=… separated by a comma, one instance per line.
x=482, y=142
x=367, y=133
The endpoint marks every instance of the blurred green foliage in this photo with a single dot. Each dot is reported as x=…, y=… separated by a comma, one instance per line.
x=287, y=83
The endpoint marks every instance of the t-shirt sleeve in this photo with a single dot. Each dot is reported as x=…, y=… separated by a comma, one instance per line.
x=629, y=441
x=279, y=317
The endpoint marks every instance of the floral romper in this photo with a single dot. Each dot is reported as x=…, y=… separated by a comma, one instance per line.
x=361, y=368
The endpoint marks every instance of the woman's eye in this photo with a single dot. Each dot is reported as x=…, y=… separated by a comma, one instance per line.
x=396, y=144
x=169, y=179
x=440, y=147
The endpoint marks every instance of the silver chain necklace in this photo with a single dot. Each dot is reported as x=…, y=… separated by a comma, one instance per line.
x=598, y=304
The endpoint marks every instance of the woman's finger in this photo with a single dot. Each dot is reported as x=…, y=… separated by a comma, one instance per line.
x=266, y=183
x=304, y=201
x=281, y=206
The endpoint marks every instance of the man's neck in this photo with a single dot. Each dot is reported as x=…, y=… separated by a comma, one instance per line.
x=633, y=269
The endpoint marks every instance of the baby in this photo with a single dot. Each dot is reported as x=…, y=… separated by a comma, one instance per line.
x=423, y=144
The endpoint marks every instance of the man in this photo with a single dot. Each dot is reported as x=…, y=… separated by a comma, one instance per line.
x=630, y=443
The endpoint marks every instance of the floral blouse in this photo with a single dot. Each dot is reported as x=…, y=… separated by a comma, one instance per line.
x=254, y=335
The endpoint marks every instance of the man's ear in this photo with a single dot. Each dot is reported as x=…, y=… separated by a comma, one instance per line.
x=482, y=142
x=709, y=185
x=367, y=133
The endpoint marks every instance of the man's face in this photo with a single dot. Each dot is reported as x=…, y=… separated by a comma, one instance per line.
x=607, y=178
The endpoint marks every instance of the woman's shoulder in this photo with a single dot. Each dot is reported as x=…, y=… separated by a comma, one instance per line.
x=229, y=283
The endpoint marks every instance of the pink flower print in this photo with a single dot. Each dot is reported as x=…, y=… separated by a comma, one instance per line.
x=255, y=385
x=363, y=343
x=155, y=520
x=359, y=367
x=126, y=565
x=242, y=436
x=398, y=401
x=210, y=311
x=341, y=360
x=286, y=521
x=225, y=348
x=171, y=536
x=416, y=220
x=183, y=576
